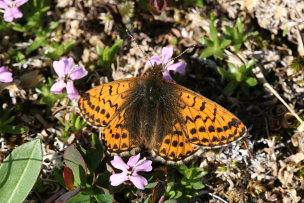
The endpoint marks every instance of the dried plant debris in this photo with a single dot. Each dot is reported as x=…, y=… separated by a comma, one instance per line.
x=275, y=15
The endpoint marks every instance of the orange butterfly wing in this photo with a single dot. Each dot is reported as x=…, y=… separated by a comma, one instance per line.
x=175, y=147
x=104, y=106
x=100, y=104
x=202, y=123
x=207, y=124
x=117, y=137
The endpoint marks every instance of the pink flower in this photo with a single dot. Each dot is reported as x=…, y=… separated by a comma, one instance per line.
x=5, y=75
x=130, y=170
x=11, y=10
x=167, y=53
x=160, y=6
x=67, y=72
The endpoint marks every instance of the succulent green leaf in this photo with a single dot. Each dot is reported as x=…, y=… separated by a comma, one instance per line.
x=19, y=172
x=251, y=81
x=74, y=160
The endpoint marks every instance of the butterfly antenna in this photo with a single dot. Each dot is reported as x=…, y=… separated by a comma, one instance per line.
x=130, y=35
x=191, y=47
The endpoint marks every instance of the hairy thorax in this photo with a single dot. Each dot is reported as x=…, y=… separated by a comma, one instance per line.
x=151, y=110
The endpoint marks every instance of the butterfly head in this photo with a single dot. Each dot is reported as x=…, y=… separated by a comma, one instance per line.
x=156, y=72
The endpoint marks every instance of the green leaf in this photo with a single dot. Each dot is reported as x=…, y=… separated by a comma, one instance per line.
x=242, y=69
x=285, y=31
x=251, y=63
x=183, y=169
x=222, y=169
x=171, y=201
x=114, y=49
x=40, y=41
x=184, y=181
x=200, y=3
x=19, y=172
x=47, y=97
x=224, y=73
x=224, y=44
x=151, y=185
x=199, y=173
x=239, y=77
x=104, y=198
x=209, y=43
x=178, y=194
x=251, y=81
x=198, y=185
x=59, y=177
x=232, y=68
x=107, y=54
x=218, y=53
x=74, y=160
x=237, y=34
x=207, y=52
x=93, y=158
x=249, y=67
x=213, y=32
x=96, y=141
x=13, y=129
x=230, y=87
x=56, y=50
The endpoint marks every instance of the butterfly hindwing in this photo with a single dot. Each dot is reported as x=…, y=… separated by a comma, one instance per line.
x=175, y=147
x=207, y=124
x=117, y=137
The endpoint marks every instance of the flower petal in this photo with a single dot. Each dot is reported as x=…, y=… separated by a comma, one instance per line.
x=133, y=160
x=20, y=2
x=16, y=13
x=69, y=64
x=139, y=181
x=58, y=87
x=3, y=5
x=145, y=166
x=72, y=91
x=78, y=72
x=179, y=67
x=8, y=16
x=59, y=68
x=3, y=69
x=155, y=59
x=167, y=76
x=167, y=53
x=5, y=75
x=8, y=2
x=118, y=163
x=118, y=178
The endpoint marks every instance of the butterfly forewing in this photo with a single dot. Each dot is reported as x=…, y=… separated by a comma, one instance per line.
x=100, y=104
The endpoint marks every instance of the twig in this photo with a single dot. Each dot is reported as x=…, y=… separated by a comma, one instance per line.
x=258, y=73
x=217, y=197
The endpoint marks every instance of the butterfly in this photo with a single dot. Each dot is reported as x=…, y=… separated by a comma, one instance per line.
x=172, y=122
